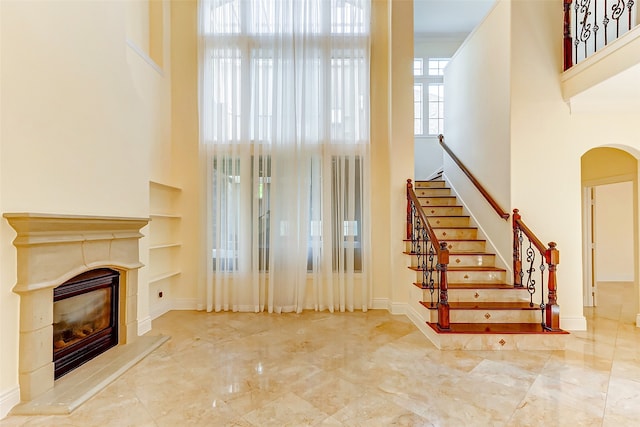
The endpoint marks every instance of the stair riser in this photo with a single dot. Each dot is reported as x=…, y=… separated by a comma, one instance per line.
x=520, y=342
x=472, y=277
x=456, y=233
x=464, y=246
x=429, y=184
x=469, y=246
x=486, y=295
x=481, y=260
x=442, y=210
x=452, y=221
x=425, y=192
x=427, y=202
x=489, y=316
x=476, y=276
x=459, y=260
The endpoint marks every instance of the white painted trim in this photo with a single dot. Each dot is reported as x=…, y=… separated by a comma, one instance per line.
x=9, y=399
x=506, y=265
x=380, y=304
x=587, y=259
x=185, y=304
x=573, y=323
x=142, y=54
x=159, y=310
x=420, y=323
x=144, y=325
x=398, y=308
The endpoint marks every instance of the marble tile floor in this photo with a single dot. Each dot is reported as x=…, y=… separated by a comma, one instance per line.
x=362, y=369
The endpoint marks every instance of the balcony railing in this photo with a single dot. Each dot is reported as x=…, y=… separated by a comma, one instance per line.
x=590, y=25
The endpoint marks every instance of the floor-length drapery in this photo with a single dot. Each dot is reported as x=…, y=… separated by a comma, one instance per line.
x=284, y=144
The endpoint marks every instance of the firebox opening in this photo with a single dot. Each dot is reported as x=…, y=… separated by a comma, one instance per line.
x=85, y=318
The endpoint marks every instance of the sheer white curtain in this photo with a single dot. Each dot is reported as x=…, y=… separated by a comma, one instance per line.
x=284, y=130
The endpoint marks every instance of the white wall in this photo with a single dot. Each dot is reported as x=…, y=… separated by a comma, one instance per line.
x=477, y=122
x=82, y=113
x=613, y=231
x=545, y=169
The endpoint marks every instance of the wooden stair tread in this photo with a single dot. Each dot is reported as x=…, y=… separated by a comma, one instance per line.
x=451, y=254
x=469, y=268
x=475, y=268
x=494, y=328
x=454, y=227
x=488, y=305
x=453, y=240
x=474, y=285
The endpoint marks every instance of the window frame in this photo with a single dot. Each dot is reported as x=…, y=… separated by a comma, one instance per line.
x=427, y=80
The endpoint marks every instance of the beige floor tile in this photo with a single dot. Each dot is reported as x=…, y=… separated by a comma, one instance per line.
x=373, y=369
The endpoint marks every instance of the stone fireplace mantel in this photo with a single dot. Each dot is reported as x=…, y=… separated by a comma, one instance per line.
x=52, y=249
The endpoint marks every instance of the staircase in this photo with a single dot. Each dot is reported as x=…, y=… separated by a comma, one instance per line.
x=485, y=311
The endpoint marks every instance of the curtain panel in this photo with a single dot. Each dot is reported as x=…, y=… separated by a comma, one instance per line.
x=284, y=149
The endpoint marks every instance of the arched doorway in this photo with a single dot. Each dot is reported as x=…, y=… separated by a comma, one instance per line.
x=610, y=232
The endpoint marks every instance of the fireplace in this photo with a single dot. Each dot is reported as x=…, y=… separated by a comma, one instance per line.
x=85, y=313
x=54, y=252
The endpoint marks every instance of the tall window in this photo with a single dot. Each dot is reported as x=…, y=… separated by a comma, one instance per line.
x=429, y=103
x=284, y=105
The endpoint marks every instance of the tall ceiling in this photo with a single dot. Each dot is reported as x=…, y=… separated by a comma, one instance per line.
x=442, y=18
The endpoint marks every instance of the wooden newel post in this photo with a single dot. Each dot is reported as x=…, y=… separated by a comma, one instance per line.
x=409, y=222
x=443, y=304
x=517, y=255
x=552, y=309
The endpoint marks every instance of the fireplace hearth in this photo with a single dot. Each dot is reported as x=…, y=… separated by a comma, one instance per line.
x=85, y=313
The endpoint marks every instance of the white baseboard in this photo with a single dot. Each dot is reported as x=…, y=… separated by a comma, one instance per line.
x=185, y=304
x=417, y=320
x=573, y=323
x=398, y=308
x=159, y=310
x=9, y=399
x=144, y=325
x=380, y=304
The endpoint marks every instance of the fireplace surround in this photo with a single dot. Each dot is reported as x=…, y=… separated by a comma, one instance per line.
x=52, y=249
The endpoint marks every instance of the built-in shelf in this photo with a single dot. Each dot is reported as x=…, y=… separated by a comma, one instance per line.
x=168, y=186
x=163, y=215
x=166, y=245
x=164, y=276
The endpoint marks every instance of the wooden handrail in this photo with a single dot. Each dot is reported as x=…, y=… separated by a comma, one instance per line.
x=501, y=212
x=517, y=221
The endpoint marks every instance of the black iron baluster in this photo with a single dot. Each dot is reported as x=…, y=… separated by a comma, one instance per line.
x=531, y=281
x=616, y=12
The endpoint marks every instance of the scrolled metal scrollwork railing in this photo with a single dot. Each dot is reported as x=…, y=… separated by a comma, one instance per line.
x=589, y=25
x=532, y=263
x=431, y=254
